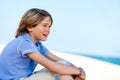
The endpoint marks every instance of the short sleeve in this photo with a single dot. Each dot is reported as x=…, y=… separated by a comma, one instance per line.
x=42, y=49
x=25, y=47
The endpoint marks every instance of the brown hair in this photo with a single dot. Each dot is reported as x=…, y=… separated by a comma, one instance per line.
x=30, y=19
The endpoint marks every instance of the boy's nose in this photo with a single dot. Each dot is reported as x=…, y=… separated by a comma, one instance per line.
x=48, y=29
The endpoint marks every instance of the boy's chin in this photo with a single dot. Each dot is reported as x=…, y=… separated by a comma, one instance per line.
x=43, y=39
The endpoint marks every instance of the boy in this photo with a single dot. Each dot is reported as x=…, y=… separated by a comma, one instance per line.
x=21, y=56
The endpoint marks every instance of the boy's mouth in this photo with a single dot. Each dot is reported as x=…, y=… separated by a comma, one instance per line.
x=45, y=35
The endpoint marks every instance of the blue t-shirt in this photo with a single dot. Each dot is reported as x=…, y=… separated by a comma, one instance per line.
x=14, y=63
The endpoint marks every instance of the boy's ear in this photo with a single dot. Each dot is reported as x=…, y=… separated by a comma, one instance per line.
x=29, y=29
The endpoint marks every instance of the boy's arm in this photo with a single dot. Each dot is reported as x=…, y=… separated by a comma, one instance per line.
x=53, y=57
x=52, y=65
x=57, y=59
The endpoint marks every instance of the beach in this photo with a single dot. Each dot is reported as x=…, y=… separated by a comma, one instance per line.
x=95, y=69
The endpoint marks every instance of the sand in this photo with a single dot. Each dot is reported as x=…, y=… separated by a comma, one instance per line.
x=95, y=69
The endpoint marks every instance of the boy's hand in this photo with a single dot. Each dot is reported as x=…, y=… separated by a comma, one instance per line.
x=77, y=78
x=82, y=74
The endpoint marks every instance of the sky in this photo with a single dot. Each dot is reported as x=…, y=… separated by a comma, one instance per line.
x=80, y=26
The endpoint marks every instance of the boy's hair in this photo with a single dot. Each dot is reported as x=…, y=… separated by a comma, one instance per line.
x=30, y=19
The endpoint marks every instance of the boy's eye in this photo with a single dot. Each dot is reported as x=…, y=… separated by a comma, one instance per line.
x=45, y=25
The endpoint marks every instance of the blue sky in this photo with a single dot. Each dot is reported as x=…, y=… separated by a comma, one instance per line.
x=82, y=26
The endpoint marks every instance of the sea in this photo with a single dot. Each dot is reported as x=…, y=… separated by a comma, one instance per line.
x=112, y=60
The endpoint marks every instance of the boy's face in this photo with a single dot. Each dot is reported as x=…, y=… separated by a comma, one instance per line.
x=41, y=31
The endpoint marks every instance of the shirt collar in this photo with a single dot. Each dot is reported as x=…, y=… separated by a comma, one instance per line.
x=26, y=36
